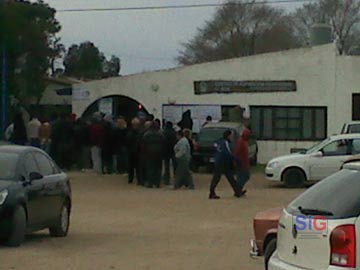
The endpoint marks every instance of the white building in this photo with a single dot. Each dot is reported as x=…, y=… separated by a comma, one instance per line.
x=296, y=97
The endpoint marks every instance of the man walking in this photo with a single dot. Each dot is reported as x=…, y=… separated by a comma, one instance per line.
x=242, y=154
x=224, y=163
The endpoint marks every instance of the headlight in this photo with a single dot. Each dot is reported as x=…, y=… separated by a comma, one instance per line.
x=3, y=196
x=273, y=165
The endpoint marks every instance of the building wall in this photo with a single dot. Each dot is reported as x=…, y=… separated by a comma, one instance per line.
x=313, y=69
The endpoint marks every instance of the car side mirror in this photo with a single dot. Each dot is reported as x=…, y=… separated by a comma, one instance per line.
x=35, y=176
x=318, y=154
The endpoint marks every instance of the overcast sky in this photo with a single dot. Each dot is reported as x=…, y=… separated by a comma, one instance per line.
x=144, y=40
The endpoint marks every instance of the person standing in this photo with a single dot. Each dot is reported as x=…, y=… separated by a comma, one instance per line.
x=19, y=135
x=132, y=143
x=33, y=129
x=183, y=176
x=121, y=156
x=186, y=121
x=45, y=136
x=208, y=120
x=169, y=154
x=96, y=139
x=224, y=165
x=152, y=151
x=242, y=155
x=107, y=150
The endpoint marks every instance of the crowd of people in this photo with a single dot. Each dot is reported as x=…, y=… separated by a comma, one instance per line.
x=141, y=148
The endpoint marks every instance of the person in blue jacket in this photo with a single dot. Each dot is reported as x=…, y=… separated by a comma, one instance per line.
x=224, y=165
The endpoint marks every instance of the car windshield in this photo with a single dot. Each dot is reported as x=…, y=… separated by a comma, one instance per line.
x=317, y=146
x=338, y=194
x=211, y=134
x=354, y=128
x=8, y=161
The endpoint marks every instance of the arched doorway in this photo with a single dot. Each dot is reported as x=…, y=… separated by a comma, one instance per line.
x=116, y=105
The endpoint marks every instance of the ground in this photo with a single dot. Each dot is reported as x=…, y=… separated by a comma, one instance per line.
x=120, y=226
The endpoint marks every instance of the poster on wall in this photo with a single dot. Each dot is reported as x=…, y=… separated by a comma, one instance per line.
x=173, y=113
x=106, y=105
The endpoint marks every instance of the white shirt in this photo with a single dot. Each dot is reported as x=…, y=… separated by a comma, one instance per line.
x=33, y=128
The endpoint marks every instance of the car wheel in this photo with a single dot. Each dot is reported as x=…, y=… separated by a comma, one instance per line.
x=294, y=178
x=18, y=228
x=269, y=250
x=61, y=228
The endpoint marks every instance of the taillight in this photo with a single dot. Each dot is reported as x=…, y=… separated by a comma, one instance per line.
x=343, y=246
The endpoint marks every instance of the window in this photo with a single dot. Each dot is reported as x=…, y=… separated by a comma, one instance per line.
x=44, y=164
x=289, y=123
x=338, y=148
x=30, y=164
x=8, y=161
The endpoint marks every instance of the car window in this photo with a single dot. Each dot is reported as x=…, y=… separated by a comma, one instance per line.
x=30, y=164
x=355, y=128
x=44, y=164
x=338, y=148
x=356, y=147
x=8, y=161
x=338, y=193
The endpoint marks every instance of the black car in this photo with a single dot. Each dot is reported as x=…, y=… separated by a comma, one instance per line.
x=204, y=146
x=34, y=194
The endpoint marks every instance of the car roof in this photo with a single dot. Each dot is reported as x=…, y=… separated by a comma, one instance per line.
x=233, y=125
x=17, y=149
x=346, y=136
x=353, y=123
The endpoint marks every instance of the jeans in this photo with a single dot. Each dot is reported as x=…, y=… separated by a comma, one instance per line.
x=243, y=177
x=96, y=159
x=183, y=176
x=219, y=170
x=167, y=176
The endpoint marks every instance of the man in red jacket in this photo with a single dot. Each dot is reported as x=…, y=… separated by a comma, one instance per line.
x=242, y=155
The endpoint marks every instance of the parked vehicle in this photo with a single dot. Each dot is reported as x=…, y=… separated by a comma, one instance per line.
x=320, y=229
x=352, y=127
x=204, y=146
x=34, y=194
x=314, y=164
x=265, y=232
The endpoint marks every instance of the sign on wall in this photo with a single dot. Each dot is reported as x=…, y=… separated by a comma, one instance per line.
x=80, y=94
x=173, y=113
x=227, y=87
x=106, y=105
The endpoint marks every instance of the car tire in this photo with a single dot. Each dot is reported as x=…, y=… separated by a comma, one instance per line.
x=294, y=178
x=269, y=250
x=18, y=228
x=61, y=228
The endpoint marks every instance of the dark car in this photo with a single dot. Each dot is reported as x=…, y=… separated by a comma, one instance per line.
x=34, y=194
x=204, y=149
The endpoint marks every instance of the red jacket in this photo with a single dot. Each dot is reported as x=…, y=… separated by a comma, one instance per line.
x=97, y=135
x=242, y=150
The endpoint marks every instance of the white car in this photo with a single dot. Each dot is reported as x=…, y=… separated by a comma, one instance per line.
x=320, y=229
x=314, y=164
x=352, y=127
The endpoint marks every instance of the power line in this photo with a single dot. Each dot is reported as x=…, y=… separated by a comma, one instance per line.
x=175, y=6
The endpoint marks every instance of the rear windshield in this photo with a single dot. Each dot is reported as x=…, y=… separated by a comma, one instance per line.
x=339, y=194
x=211, y=134
x=354, y=128
x=8, y=161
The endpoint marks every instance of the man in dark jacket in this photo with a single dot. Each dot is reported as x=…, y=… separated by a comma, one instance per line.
x=242, y=154
x=224, y=163
x=186, y=121
x=132, y=144
x=153, y=149
x=169, y=154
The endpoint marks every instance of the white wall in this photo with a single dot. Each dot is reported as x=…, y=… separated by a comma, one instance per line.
x=313, y=69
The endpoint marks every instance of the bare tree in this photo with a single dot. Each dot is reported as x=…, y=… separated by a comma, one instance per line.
x=342, y=15
x=239, y=29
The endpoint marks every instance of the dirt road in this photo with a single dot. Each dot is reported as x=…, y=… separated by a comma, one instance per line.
x=120, y=226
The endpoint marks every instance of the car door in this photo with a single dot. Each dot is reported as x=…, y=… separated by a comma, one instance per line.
x=334, y=154
x=52, y=187
x=36, y=203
